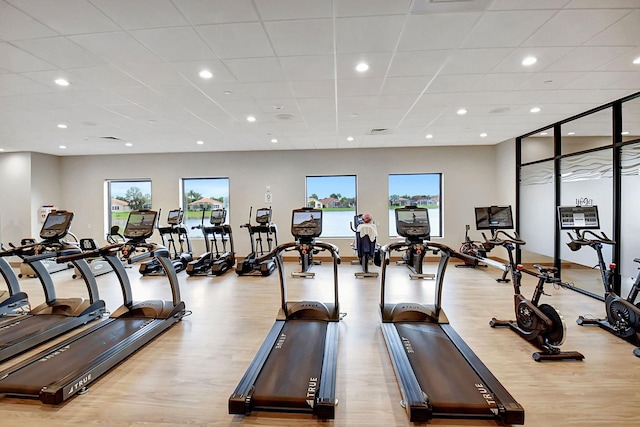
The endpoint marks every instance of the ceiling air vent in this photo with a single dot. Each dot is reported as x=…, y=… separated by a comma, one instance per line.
x=379, y=131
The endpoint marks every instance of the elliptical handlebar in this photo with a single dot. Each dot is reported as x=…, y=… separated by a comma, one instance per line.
x=400, y=246
x=333, y=249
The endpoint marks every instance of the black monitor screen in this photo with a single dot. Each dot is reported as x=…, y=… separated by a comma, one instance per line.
x=140, y=224
x=573, y=217
x=56, y=225
x=218, y=216
x=306, y=223
x=263, y=216
x=493, y=218
x=357, y=220
x=413, y=222
x=174, y=217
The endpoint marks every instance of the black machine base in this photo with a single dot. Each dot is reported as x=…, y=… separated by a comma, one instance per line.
x=549, y=353
x=604, y=324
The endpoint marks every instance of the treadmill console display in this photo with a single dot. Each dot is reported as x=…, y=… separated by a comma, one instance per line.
x=174, y=217
x=494, y=218
x=574, y=217
x=306, y=223
x=413, y=222
x=140, y=224
x=218, y=216
x=56, y=225
x=263, y=216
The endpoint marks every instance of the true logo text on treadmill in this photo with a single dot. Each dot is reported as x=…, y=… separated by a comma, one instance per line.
x=407, y=345
x=55, y=353
x=281, y=340
x=80, y=384
x=486, y=394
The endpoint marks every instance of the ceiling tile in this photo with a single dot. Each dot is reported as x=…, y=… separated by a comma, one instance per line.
x=16, y=25
x=19, y=61
x=370, y=34
x=306, y=37
x=622, y=33
x=505, y=29
x=243, y=40
x=175, y=44
x=200, y=12
x=371, y=7
x=115, y=48
x=437, y=31
x=587, y=58
x=60, y=51
x=138, y=14
x=472, y=61
x=255, y=69
x=293, y=9
x=526, y=4
x=418, y=63
x=319, y=67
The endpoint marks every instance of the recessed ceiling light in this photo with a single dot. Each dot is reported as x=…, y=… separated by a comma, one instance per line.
x=128, y=144
x=62, y=147
x=274, y=140
x=529, y=60
x=362, y=67
x=205, y=74
x=625, y=133
x=62, y=126
x=428, y=136
x=199, y=142
x=637, y=60
x=61, y=82
x=251, y=119
x=571, y=133
x=462, y=112
x=1, y=149
x=483, y=135
x=535, y=110
x=543, y=133
x=349, y=138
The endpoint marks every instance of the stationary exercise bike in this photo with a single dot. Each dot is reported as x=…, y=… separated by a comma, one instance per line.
x=472, y=248
x=623, y=315
x=540, y=324
x=181, y=255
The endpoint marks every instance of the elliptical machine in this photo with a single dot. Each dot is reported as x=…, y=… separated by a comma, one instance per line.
x=180, y=257
x=249, y=266
x=365, y=243
x=623, y=314
x=218, y=262
x=540, y=324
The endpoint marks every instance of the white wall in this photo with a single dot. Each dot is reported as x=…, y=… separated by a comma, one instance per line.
x=469, y=179
x=15, y=197
x=45, y=186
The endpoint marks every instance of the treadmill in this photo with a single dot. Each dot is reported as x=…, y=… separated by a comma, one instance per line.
x=14, y=302
x=438, y=374
x=295, y=368
x=69, y=367
x=55, y=316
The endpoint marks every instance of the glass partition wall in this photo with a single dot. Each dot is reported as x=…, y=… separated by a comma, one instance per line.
x=589, y=159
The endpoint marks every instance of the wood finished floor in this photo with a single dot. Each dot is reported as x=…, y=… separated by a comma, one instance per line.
x=186, y=375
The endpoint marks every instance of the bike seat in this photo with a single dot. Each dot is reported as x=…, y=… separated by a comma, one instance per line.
x=545, y=269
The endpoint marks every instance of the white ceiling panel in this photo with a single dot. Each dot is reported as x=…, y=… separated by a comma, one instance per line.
x=307, y=37
x=67, y=16
x=175, y=44
x=200, y=12
x=133, y=68
x=243, y=40
x=137, y=14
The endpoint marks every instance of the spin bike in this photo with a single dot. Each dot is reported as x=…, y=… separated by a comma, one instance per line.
x=540, y=324
x=250, y=266
x=214, y=261
x=472, y=248
x=623, y=314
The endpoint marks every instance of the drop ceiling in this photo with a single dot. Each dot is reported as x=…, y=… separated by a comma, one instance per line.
x=134, y=86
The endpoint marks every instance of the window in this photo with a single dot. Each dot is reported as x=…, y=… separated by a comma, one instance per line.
x=336, y=196
x=124, y=197
x=424, y=190
x=199, y=197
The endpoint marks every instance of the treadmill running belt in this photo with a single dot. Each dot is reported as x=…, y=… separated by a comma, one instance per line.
x=293, y=367
x=57, y=364
x=22, y=328
x=442, y=371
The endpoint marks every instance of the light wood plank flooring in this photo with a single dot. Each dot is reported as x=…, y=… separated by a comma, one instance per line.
x=186, y=375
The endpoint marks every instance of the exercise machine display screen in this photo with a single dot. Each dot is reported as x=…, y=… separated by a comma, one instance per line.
x=573, y=217
x=306, y=223
x=56, y=225
x=493, y=218
x=263, y=216
x=140, y=224
x=174, y=217
x=218, y=216
x=413, y=222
